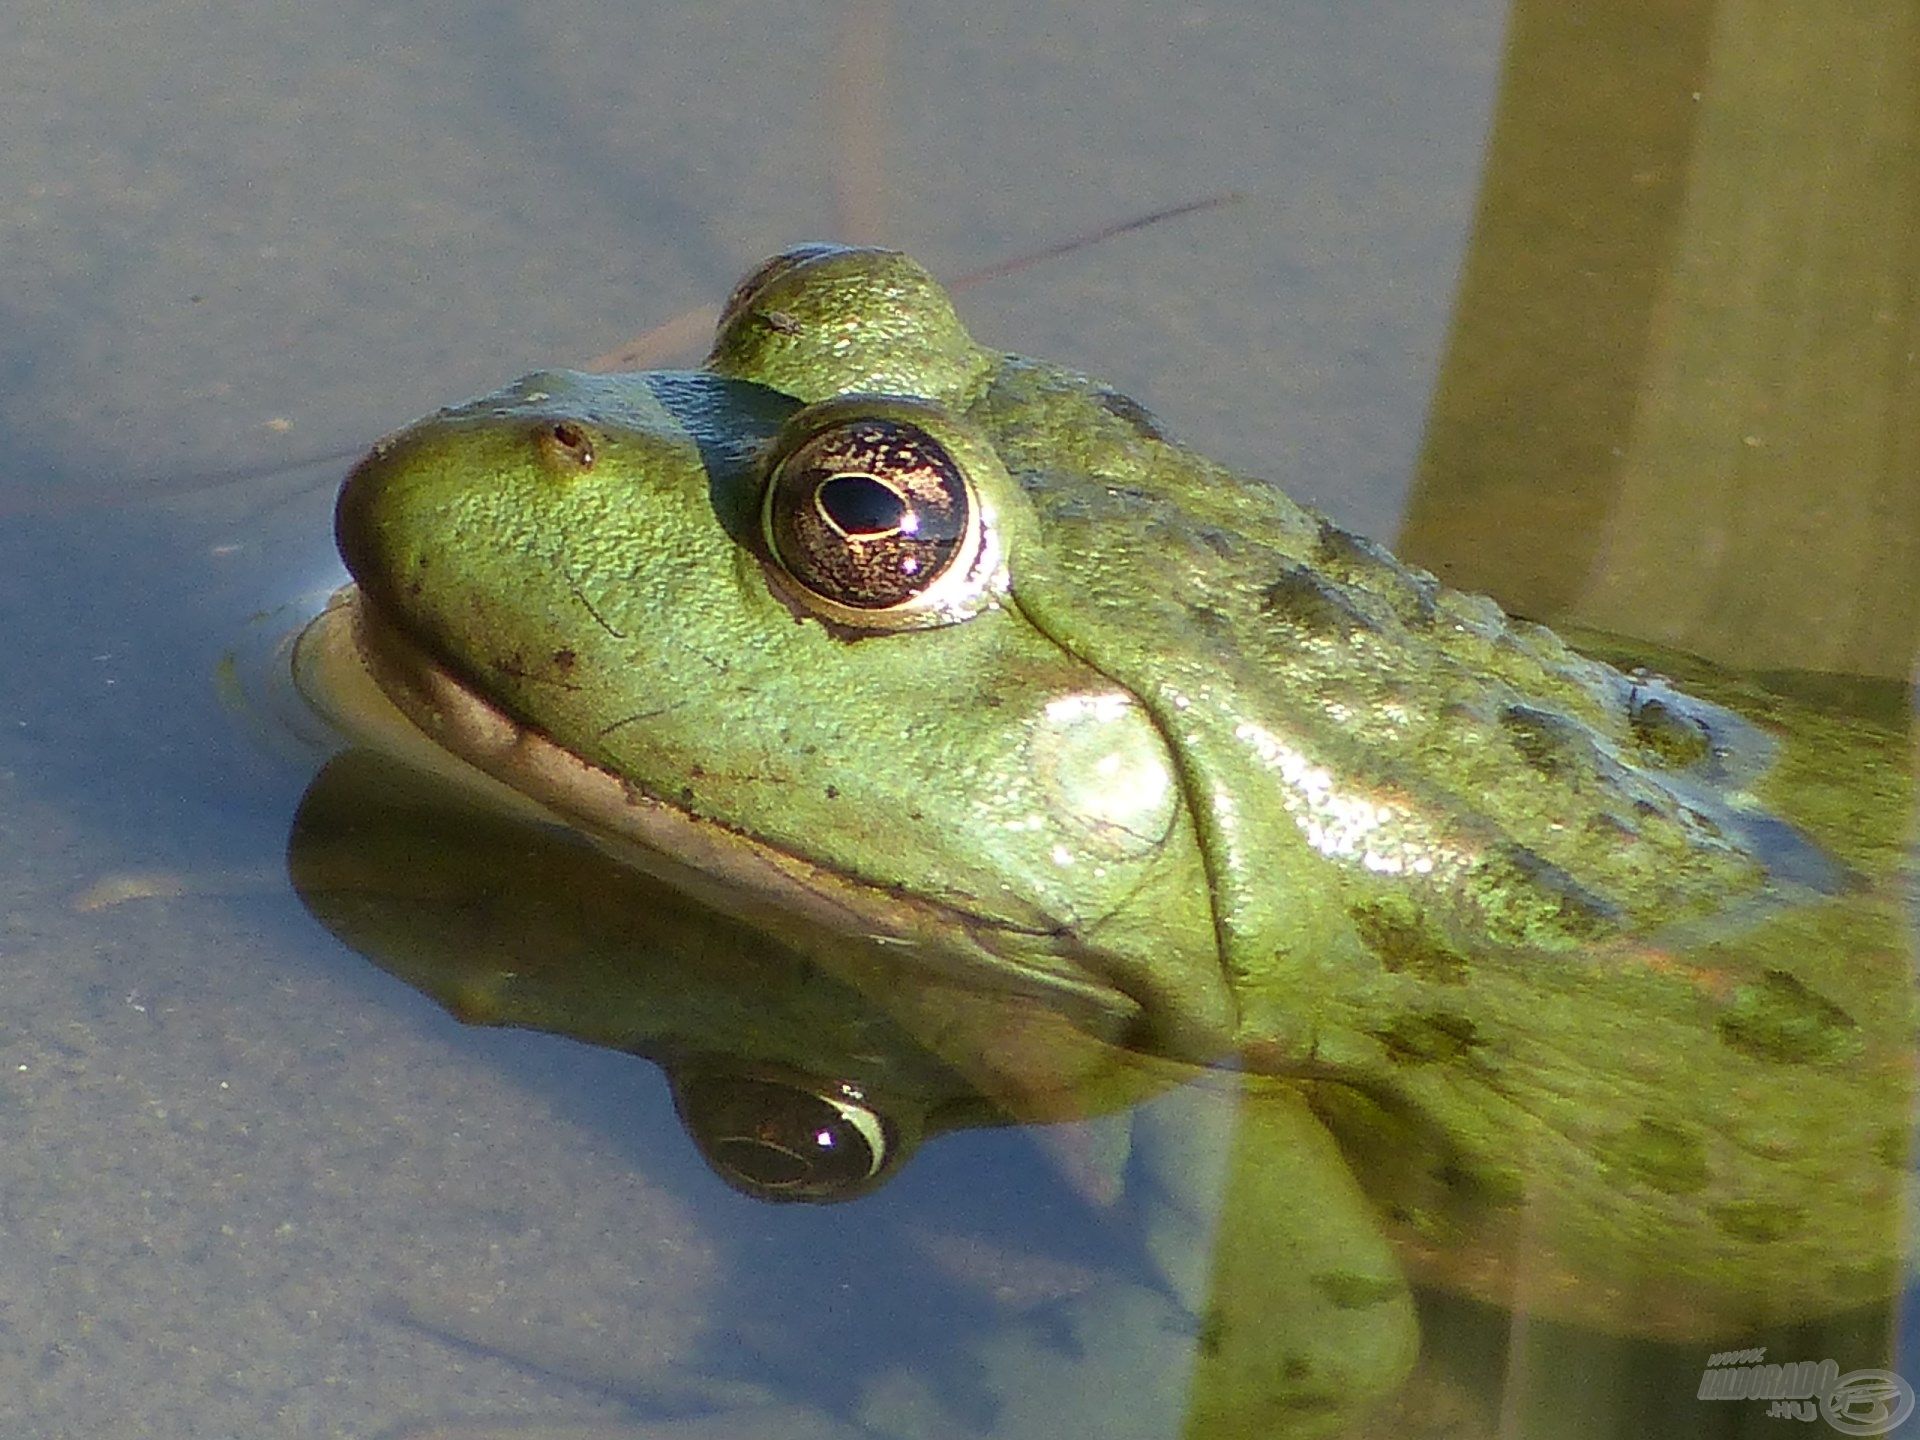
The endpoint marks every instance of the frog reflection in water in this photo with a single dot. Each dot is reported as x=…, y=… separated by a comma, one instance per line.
x=1595, y=978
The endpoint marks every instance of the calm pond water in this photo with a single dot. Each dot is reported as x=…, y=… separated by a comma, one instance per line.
x=255, y=1186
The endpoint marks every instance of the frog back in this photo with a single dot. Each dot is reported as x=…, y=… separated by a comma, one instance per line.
x=1388, y=775
x=1543, y=937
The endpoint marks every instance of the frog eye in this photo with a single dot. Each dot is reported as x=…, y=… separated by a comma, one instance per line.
x=875, y=525
x=778, y=1141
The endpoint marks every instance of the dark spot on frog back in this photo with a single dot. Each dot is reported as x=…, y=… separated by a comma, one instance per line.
x=1356, y=561
x=1356, y=1290
x=1667, y=734
x=1780, y=1021
x=1657, y=1153
x=1132, y=413
x=1405, y=945
x=1549, y=741
x=1306, y=600
x=1762, y=1222
x=1429, y=1037
x=1526, y=899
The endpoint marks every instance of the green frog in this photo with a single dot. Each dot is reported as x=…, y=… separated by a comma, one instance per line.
x=1578, y=975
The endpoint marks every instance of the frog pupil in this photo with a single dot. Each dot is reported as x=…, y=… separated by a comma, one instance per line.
x=859, y=505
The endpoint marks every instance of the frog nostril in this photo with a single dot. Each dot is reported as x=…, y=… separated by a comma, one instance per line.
x=569, y=442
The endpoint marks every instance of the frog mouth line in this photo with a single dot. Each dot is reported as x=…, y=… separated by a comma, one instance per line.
x=832, y=916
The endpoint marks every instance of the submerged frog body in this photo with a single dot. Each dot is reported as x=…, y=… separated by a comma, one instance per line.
x=1596, y=977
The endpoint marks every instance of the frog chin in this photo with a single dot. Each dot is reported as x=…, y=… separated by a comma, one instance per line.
x=381, y=687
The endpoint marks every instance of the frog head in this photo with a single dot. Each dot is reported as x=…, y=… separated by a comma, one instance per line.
x=764, y=622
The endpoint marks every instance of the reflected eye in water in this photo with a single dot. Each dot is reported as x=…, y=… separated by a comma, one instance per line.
x=775, y=1140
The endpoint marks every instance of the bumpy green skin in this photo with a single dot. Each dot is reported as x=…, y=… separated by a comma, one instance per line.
x=1564, y=956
